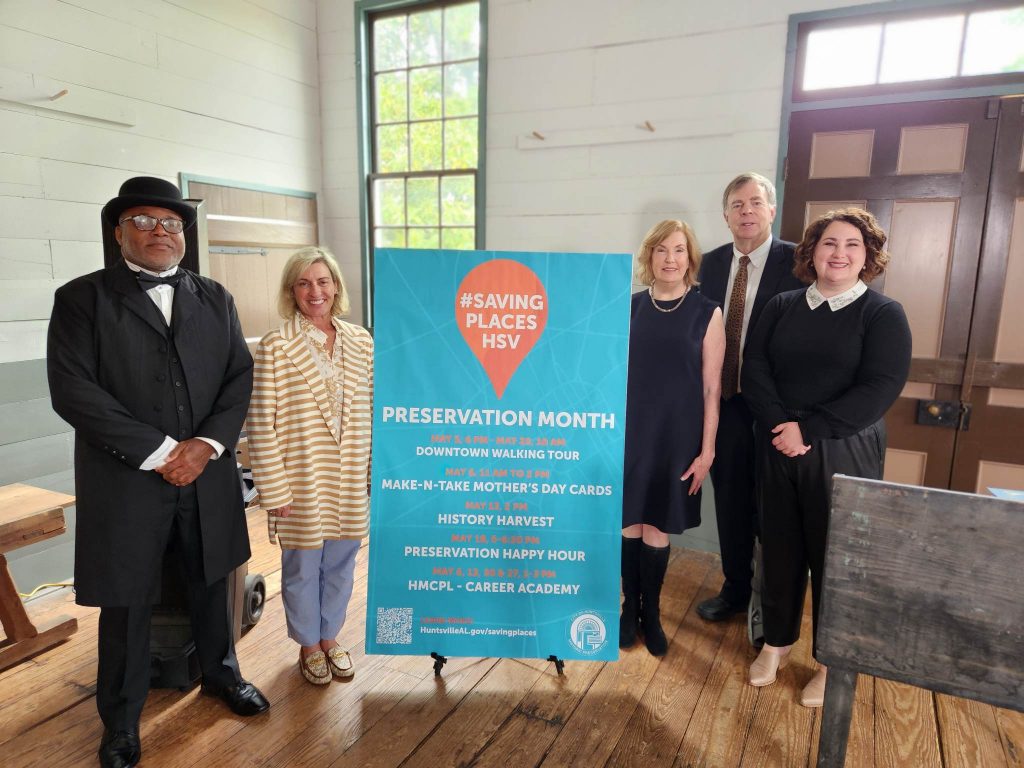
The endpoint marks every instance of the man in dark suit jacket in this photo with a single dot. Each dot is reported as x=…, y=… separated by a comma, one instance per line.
x=766, y=265
x=148, y=363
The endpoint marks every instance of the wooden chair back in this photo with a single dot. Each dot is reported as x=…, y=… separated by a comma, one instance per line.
x=922, y=586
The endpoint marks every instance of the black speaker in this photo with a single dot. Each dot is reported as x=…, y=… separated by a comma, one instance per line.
x=173, y=659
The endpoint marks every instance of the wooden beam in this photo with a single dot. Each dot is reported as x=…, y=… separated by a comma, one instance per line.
x=13, y=652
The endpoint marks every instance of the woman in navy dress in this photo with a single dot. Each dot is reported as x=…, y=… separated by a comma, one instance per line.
x=676, y=346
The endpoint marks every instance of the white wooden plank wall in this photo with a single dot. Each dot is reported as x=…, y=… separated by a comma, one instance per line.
x=239, y=90
x=339, y=203
x=565, y=66
x=227, y=89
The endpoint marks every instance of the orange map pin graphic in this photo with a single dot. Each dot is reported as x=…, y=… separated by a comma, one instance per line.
x=501, y=308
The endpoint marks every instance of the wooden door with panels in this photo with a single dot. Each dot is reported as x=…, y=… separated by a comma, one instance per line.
x=991, y=453
x=251, y=234
x=944, y=179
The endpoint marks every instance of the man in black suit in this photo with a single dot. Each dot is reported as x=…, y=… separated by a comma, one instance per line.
x=148, y=363
x=741, y=276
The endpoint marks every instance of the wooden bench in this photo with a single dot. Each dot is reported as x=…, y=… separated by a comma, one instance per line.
x=27, y=515
x=921, y=586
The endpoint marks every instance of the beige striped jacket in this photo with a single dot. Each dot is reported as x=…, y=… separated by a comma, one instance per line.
x=298, y=455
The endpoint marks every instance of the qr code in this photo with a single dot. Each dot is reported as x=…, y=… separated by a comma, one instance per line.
x=394, y=626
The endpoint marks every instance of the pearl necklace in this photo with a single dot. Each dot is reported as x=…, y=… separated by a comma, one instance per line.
x=650, y=292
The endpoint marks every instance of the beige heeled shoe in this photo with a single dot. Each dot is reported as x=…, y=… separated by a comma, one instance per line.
x=768, y=662
x=813, y=694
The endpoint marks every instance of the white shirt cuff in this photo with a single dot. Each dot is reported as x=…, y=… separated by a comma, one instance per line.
x=218, y=449
x=159, y=456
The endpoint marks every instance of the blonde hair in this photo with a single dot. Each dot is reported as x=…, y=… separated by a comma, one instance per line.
x=655, y=236
x=298, y=263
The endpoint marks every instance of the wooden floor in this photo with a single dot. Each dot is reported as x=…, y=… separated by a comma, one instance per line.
x=692, y=708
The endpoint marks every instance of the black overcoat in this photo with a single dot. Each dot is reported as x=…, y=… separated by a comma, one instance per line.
x=107, y=363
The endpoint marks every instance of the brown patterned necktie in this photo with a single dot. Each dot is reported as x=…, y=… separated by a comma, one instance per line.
x=734, y=330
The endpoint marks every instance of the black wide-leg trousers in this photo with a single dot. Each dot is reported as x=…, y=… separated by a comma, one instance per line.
x=794, y=497
x=123, y=673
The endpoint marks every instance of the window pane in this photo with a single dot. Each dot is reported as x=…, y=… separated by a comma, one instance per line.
x=425, y=38
x=995, y=42
x=460, y=89
x=392, y=154
x=389, y=43
x=457, y=200
x=458, y=239
x=423, y=202
x=389, y=238
x=425, y=145
x=389, y=202
x=921, y=49
x=390, y=92
x=462, y=31
x=423, y=238
x=426, y=91
x=839, y=58
x=425, y=95
x=460, y=143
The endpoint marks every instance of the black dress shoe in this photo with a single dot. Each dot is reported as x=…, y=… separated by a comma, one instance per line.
x=717, y=608
x=243, y=698
x=120, y=749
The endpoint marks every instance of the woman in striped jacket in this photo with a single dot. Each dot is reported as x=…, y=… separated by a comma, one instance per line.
x=309, y=442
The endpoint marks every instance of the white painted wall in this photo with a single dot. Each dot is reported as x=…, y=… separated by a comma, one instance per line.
x=707, y=76
x=587, y=75
x=222, y=88
x=239, y=89
x=339, y=203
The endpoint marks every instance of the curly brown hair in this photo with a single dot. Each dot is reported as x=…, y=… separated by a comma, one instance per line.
x=876, y=258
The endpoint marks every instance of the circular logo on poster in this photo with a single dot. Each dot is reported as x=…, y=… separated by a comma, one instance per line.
x=587, y=632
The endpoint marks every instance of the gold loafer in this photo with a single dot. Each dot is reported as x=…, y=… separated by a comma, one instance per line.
x=340, y=662
x=314, y=668
x=765, y=667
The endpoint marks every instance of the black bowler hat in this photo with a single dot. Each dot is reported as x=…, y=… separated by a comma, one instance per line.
x=148, y=190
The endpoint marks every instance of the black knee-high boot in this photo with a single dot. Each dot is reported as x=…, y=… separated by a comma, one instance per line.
x=654, y=562
x=630, y=618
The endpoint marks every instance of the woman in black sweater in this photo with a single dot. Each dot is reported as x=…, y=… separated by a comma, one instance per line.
x=820, y=370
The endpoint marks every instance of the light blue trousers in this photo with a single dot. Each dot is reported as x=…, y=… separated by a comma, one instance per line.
x=316, y=585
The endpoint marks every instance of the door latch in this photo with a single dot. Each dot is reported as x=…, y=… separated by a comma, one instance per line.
x=951, y=414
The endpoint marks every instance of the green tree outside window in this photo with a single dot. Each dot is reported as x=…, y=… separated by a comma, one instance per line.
x=425, y=83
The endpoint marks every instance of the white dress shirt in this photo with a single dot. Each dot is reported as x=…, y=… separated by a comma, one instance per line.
x=163, y=297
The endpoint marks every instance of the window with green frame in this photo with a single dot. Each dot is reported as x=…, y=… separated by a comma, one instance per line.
x=423, y=87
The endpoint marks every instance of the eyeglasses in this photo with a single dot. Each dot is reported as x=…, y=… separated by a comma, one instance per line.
x=145, y=223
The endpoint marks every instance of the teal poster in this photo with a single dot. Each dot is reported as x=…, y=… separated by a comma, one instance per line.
x=499, y=419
